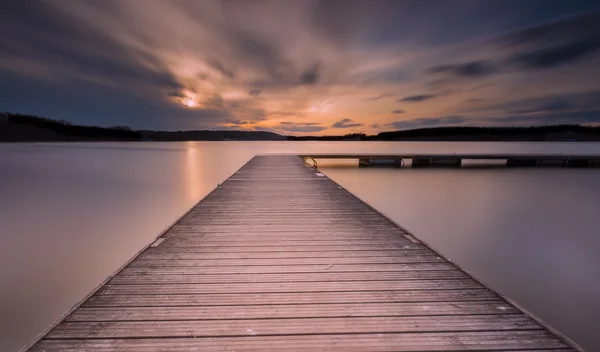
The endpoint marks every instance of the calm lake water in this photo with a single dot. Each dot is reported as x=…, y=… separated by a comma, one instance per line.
x=71, y=214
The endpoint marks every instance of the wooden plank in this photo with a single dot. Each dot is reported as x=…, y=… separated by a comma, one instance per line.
x=293, y=326
x=259, y=269
x=290, y=311
x=298, y=248
x=402, y=342
x=135, y=279
x=337, y=286
x=150, y=299
x=153, y=255
x=287, y=261
x=191, y=241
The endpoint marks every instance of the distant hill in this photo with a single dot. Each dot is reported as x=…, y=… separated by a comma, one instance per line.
x=533, y=134
x=25, y=128
x=207, y=135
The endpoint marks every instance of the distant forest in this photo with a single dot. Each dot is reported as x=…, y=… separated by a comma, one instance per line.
x=25, y=128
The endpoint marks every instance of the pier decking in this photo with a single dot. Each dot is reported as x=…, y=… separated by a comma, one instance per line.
x=281, y=258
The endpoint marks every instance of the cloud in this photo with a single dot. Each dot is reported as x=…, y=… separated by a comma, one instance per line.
x=237, y=122
x=176, y=95
x=246, y=61
x=310, y=76
x=290, y=123
x=398, y=111
x=224, y=71
x=581, y=26
x=346, y=123
x=556, y=118
x=543, y=46
x=379, y=97
x=375, y=125
x=554, y=56
x=297, y=127
x=417, y=98
x=552, y=106
x=473, y=69
x=423, y=122
x=582, y=101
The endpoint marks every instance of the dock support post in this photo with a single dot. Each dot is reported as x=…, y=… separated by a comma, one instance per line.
x=521, y=162
x=421, y=162
x=578, y=163
x=446, y=163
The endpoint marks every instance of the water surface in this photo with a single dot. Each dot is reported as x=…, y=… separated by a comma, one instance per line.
x=71, y=214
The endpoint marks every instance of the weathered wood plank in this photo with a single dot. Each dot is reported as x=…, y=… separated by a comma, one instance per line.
x=403, y=342
x=287, y=261
x=298, y=248
x=135, y=278
x=290, y=311
x=232, y=299
x=338, y=286
x=307, y=268
x=154, y=255
x=293, y=326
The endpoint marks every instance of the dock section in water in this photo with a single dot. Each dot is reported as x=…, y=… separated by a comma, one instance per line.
x=456, y=160
x=281, y=258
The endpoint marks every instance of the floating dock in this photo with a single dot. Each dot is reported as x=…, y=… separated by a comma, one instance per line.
x=455, y=160
x=281, y=258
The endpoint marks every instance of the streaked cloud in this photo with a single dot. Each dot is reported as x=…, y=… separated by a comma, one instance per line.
x=346, y=123
x=417, y=98
x=299, y=67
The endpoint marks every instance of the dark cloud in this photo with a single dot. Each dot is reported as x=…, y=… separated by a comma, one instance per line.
x=543, y=46
x=310, y=76
x=386, y=75
x=582, y=26
x=417, y=98
x=375, y=125
x=473, y=69
x=238, y=122
x=176, y=95
x=42, y=34
x=229, y=73
x=398, y=111
x=254, y=92
x=283, y=113
x=296, y=127
x=261, y=53
x=379, y=97
x=591, y=117
x=346, y=123
x=557, y=55
x=429, y=122
x=552, y=106
x=572, y=102
x=290, y=123
x=214, y=102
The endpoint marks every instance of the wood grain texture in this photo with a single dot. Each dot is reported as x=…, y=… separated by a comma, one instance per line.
x=279, y=258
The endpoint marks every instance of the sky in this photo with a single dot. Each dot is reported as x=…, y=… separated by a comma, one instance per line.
x=302, y=67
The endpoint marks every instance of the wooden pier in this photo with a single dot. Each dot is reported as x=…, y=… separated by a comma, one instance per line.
x=456, y=160
x=281, y=258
